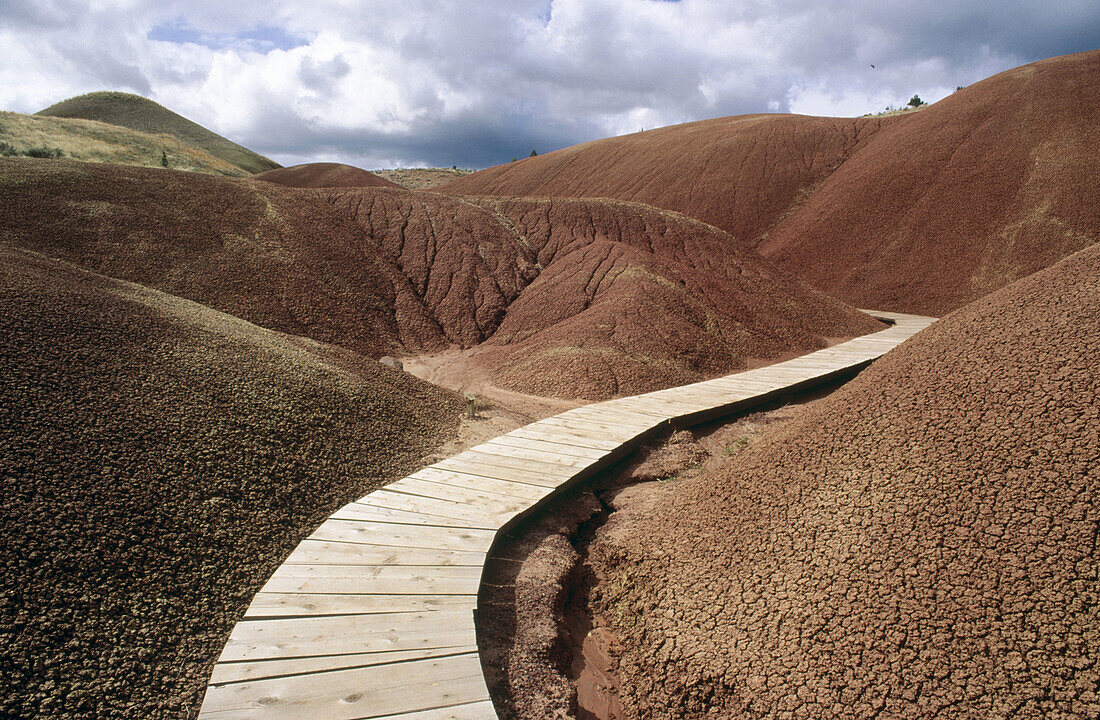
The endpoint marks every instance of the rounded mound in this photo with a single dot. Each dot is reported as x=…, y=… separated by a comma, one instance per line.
x=160, y=459
x=323, y=175
x=918, y=213
x=632, y=299
x=987, y=186
x=922, y=543
x=140, y=113
x=742, y=174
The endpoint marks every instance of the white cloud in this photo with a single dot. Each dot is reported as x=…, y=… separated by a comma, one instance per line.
x=431, y=81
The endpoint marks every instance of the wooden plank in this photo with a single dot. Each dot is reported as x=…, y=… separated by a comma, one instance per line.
x=483, y=710
x=606, y=431
x=346, y=634
x=694, y=396
x=490, y=505
x=368, y=692
x=393, y=535
x=509, y=488
x=251, y=670
x=548, y=469
x=401, y=496
x=566, y=435
x=473, y=467
x=490, y=502
x=714, y=395
x=532, y=455
x=607, y=413
x=375, y=579
x=283, y=605
x=359, y=511
x=550, y=446
x=316, y=552
x=660, y=409
x=604, y=414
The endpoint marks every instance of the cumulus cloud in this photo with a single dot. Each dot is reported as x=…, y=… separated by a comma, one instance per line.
x=379, y=83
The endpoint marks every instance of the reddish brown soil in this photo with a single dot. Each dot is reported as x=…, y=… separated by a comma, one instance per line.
x=545, y=654
x=922, y=543
x=742, y=174
x=993, y=183
x=916, y=213
x=575, y=299
x=323, y=175
x=158, y=460
x=629, y=299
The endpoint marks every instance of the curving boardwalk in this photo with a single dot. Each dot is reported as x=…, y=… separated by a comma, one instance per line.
x=372, y=616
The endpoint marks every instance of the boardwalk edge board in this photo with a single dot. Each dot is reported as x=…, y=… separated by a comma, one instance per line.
x=392, y=633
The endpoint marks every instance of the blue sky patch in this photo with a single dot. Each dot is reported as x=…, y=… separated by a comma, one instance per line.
x=262, y=38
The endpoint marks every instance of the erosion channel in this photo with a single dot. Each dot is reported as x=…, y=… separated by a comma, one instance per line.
x=544, y=631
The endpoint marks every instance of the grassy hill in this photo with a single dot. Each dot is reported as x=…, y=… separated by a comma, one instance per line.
x=422, y=178
x=100, y=142
x=138, y=113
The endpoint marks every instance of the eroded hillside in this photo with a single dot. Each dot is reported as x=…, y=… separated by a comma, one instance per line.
x=576, y=299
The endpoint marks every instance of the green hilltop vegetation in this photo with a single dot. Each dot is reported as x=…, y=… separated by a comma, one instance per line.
x=138, y=113
x=100, y=142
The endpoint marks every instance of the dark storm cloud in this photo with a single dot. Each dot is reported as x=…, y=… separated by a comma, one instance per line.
x=473, y=141
x=444, y=83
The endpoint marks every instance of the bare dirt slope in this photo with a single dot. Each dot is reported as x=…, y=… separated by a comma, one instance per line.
x=987, y=186
x=920, y=213
x=323, y=175
x=631, y=299
x=94, y=141
x=920, y=544
x=139, y=113
x=743, y=174
x=273, y=256
x=159, y=460
x=581, y=299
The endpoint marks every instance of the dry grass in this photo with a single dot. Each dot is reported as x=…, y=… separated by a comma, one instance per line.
x=142, y=114
x=422, y=178
x=98, y=142
x=891, y=111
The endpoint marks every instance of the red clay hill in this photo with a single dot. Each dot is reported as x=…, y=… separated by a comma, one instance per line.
x=922, y=543
x=578, y=299
x=160, y=460
x=323, y=175
x=921, y=212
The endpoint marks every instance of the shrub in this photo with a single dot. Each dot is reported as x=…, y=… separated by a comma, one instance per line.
x=915, y=101
x=42, y=152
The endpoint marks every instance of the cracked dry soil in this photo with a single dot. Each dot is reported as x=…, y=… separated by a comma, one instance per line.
x=547, y=650
x=922, y=543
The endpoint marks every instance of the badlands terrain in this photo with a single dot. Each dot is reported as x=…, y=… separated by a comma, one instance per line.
x=189, y=384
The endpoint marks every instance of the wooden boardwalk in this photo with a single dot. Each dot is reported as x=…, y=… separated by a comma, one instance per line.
x=372, y=616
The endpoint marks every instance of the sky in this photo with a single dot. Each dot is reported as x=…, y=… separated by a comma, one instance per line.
x=414, y=83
